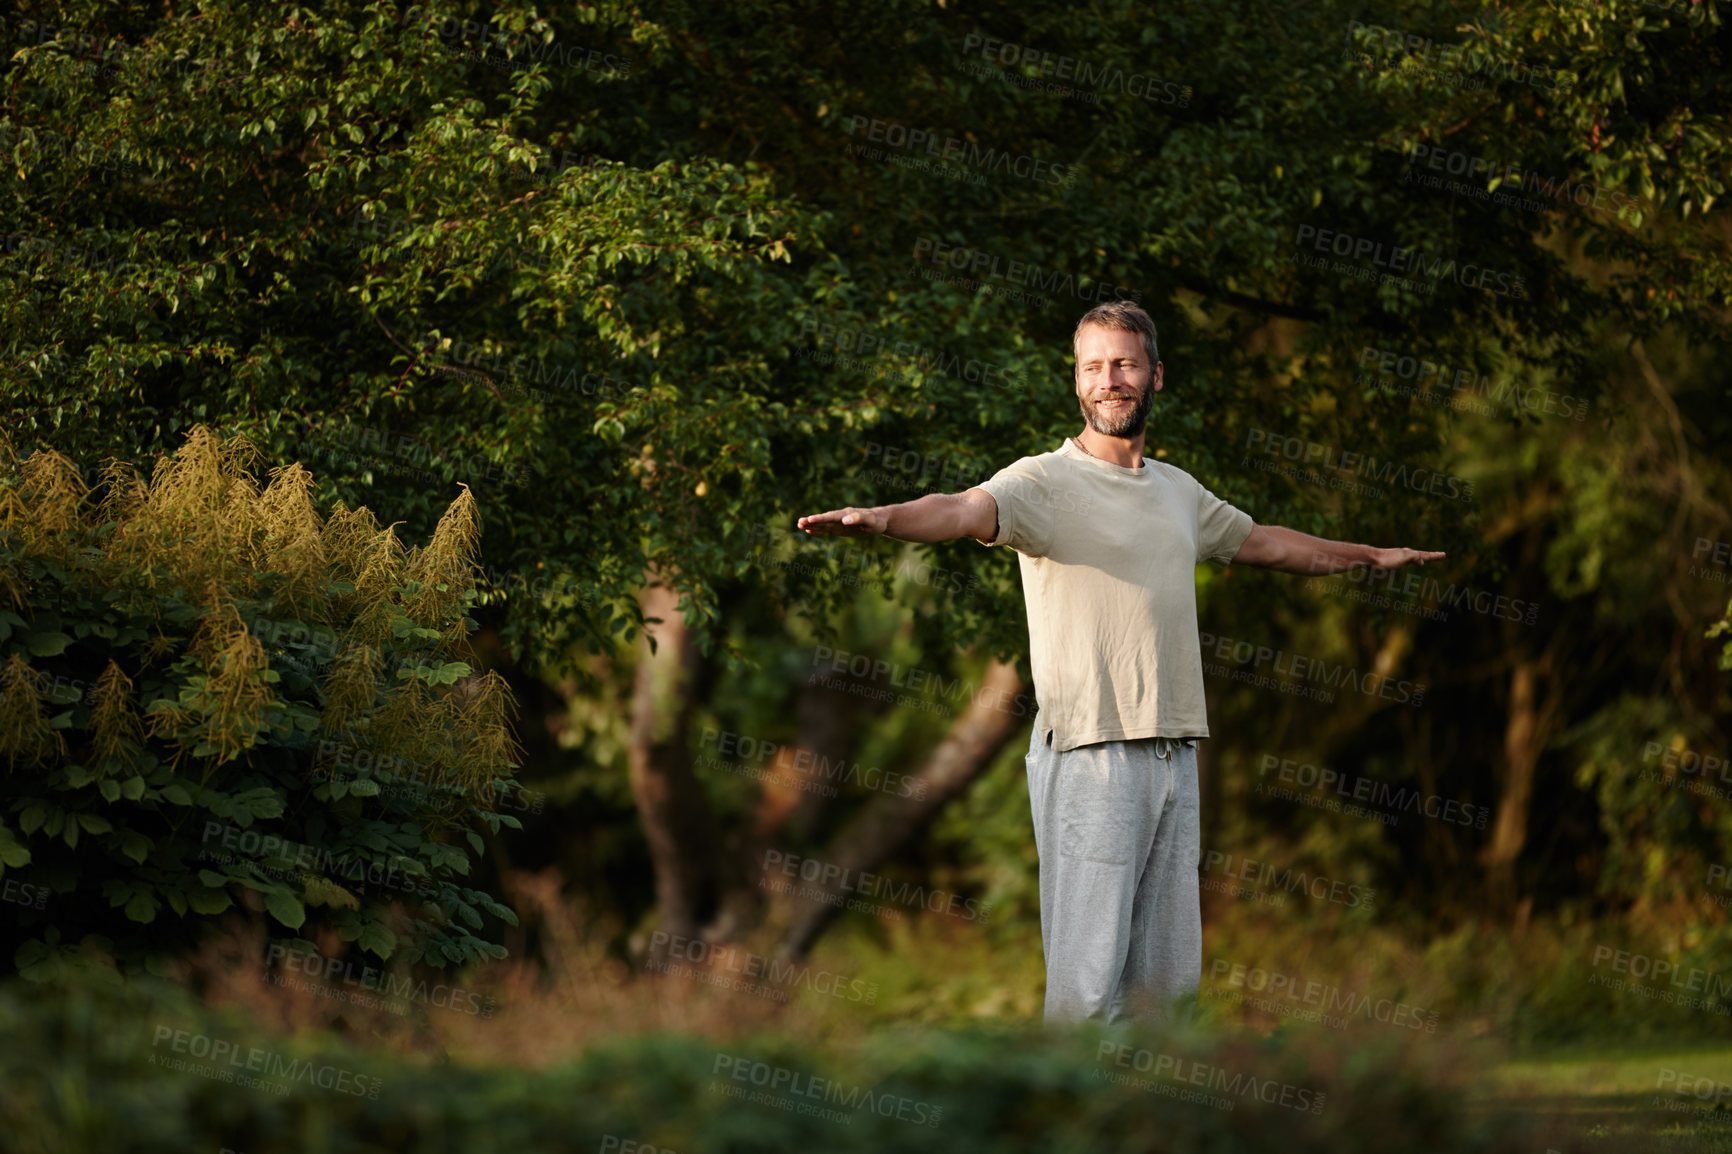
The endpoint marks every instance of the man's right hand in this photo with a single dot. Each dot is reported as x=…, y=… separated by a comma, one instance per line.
x=849, y=522
x=934, y=517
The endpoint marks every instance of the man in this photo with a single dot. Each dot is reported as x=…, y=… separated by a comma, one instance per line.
x=1109, y=541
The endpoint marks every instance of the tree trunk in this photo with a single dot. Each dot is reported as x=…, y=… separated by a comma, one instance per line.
x=677, y=821
x=791, y=795
x=886, y=822
x=1531, y=719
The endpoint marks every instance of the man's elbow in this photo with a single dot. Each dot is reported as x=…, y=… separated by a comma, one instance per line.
x=1256, y=550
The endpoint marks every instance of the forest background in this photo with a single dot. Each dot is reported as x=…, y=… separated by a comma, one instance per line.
x=585, y=304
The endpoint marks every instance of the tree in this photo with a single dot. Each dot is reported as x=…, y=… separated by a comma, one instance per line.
x=701, y=269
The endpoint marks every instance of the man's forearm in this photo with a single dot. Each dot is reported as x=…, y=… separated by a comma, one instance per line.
x=1307, y=555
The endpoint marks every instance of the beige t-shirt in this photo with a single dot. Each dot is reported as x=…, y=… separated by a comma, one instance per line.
x=1109, y=558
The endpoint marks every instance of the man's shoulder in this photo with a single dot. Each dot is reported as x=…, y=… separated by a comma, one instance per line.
x=1171, y=474
x=1039, y=465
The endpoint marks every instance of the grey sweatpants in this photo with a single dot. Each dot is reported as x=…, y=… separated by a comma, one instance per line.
x=1116, y=825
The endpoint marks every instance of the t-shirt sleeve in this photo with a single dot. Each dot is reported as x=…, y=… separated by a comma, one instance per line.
x=1024, y=508
x=1221, y=528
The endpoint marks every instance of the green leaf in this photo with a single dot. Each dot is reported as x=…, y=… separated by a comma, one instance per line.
x=286, y=908
x=47, y=644
x=209, y=901
x=134, y=845
x=143, y=906
x=376, y=938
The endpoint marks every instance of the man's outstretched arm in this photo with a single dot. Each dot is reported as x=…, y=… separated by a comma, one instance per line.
x=934, y=517
x=1290, y=551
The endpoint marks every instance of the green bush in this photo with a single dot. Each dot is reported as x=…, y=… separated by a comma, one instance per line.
x=185, y=663
x=143, y=1066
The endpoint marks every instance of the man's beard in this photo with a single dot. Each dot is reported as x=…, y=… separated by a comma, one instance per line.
x=1127, y=424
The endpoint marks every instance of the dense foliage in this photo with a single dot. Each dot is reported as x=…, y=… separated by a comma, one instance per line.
x=213, y=695
x=654, y=279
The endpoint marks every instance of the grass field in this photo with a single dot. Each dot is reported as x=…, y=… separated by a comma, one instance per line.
x=576, y=1051
x=1677, y=1097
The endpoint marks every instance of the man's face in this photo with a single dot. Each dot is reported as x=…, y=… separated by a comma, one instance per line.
x=1114, y=386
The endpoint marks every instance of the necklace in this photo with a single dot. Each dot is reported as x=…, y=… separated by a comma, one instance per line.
x=1077, y=441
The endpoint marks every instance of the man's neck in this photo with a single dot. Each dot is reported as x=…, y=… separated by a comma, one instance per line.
x=1126, y=452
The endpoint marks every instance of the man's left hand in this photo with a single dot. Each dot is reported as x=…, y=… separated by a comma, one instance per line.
x=1396, y=558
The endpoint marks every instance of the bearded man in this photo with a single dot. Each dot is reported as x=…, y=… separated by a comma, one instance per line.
x=1108, y=542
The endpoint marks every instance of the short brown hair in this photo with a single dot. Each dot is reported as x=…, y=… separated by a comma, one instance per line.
x=1126, y=316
